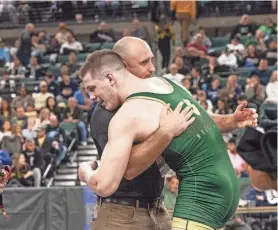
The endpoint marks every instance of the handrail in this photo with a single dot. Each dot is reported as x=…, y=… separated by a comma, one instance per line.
x=265, y=209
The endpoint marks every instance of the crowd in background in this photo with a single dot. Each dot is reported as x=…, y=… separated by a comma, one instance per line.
x=32, y=137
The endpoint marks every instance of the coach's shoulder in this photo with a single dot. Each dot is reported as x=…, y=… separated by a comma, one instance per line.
x=101, y=115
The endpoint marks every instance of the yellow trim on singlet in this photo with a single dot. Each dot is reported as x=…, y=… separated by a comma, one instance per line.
x=150, y=99
x=181, y=224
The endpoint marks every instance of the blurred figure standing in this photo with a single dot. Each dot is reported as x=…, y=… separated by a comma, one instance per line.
x=165, y=35
x=185, y=13
x=170, y=193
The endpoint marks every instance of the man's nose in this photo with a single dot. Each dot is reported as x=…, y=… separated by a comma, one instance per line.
x=92, y=97
x=152, y=68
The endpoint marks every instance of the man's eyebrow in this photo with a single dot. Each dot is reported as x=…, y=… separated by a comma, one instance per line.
x=90, y=87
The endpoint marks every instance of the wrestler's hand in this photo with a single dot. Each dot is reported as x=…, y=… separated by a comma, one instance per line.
x=245, y=117
x=85, y=167
x=2, y=186
x=173, y=123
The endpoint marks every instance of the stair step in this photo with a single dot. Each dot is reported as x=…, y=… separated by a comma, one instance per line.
x=86, y=147
x=86, y=158
x=64, y=183
x=67, y=171
x=88, y=152
x=66, y=177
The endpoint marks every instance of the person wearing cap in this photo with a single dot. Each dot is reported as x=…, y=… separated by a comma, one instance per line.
x=4, y=53
x=40, y=98
x=35, y=159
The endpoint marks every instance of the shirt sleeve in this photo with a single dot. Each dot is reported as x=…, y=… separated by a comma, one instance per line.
x=99, y=127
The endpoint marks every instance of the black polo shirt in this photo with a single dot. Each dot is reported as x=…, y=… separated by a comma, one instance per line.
x=148, y=185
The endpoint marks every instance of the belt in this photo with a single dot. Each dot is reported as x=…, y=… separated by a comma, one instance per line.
x=131, y=202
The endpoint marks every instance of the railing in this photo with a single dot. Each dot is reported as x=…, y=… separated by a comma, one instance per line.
x=249, y=210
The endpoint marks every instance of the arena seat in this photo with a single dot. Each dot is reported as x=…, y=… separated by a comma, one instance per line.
x=107, y=45
x=55, y=69
x=91, y=47
x=244, y=72
x=220, y=41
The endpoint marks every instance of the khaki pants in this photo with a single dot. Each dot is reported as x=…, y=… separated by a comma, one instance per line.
x=185, y=21
x=181, y=224
x=122, y=217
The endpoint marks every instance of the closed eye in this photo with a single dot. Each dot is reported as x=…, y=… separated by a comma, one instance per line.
x=91, y=89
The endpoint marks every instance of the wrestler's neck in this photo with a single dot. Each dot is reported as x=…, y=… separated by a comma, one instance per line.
x=131, y=85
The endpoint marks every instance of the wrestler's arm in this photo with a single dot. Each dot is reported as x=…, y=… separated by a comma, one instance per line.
x=241, y=118
x=121, y=134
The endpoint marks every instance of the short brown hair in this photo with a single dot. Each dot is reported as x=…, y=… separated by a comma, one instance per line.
x=101, y=61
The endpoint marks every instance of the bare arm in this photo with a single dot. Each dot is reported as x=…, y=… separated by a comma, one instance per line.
x=241, y=118
x=145, y=154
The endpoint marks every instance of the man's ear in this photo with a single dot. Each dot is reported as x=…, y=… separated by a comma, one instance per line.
x=111, y=79
x=125, y=64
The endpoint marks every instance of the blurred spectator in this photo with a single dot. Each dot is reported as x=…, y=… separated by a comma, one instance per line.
x=53, y=87
x=179, y=52
x=269, y=27
x=170, y=193
x=73, y=114
x=73, y=66
x=83, y=99
x=53, y=46
x=16, y=70
x=5, y=158
x=34, y=158
x=222, y=107
x=165, y=35
x=42, y=142
x=271, y=88
x=235, y=46
x=227, y=58
x=255, y=91
x=14, y=49
x=43, y=38
x=212, y=92
x=181, y=67
x=101, y=5
x=63, y=33
x=206, y=40
x=185, y=12
x=262, y=71
x=196, y=47
x=232, y=90
x=70, y=45
x=30, y=111
x=68, y=86
x=22, y=175
x=174, y=75
x=259, y=41
x=23, y=10
x=202, y=98
x=4, y=53
x=30, y=132
x=6, y=82
x=23, y=99
x=44, y=118
x=211, y=68
x=20, y=118
x=13, y=143
x=238, y=163
x=186, y=82
x=244, y=28
x=253, y=56
x=52, y=106
x=6, y=130
x=34, y=69
x=198, y=81
x=271, y=53
x=102, y=34
x=137, y=30
x=25, y=48
x=37, y=48
x=40, y=98
x=5, y=112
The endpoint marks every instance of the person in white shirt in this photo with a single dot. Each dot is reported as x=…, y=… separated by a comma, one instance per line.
x=71, y=44
x=272, y=88
x=235, y=46
x=40, y=98
x=174, y=75
x=228, y=59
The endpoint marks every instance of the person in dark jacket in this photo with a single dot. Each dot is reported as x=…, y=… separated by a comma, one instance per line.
x=102, y=34
x=34, y=158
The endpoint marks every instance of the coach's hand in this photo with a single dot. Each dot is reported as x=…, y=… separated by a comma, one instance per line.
x=175, y=122
x=245, y=117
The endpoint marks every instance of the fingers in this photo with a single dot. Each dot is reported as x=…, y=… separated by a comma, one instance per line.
x=179, y=107
x=190, y=121
x=165, y=110
x=186, y=110
x=188, y=115
x=242, y=106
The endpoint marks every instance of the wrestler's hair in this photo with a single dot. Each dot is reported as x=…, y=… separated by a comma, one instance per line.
x=100, y=63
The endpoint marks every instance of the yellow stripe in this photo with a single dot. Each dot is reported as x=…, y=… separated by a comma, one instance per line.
x=179, y=223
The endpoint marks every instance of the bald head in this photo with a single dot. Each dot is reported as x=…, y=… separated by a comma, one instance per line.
x=137, y=55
